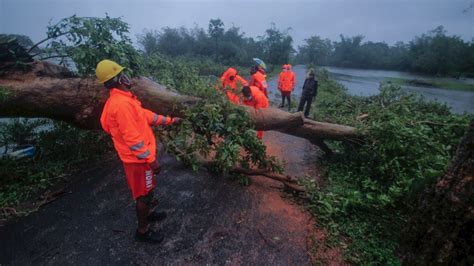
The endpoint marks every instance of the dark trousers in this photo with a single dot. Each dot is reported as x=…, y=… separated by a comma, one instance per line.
x=286, y=95
x=305, y=100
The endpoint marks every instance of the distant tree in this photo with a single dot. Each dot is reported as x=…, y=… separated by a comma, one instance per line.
x=233, y=47
x=373, y=55
x=216, y=30
x=437, y=54
x=276, y=46
x=315, y=51
x=346, y=52
x=149, y=41
x=398, y=56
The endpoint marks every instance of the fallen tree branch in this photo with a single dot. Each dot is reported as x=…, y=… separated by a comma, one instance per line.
x=287, y=180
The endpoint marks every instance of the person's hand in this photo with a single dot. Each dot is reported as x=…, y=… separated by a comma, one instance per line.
x=155, y=166
x=177, y=120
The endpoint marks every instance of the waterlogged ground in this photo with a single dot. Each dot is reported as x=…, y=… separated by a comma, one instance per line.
x=212, y=220
x=366, y=82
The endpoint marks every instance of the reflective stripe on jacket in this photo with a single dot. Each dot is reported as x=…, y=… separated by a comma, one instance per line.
x=129, y=124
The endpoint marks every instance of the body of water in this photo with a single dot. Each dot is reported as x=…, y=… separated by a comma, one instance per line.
x=366, y=82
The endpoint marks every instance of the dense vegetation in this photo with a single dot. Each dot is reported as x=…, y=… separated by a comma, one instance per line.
x=434, y=53
x=225, y=46
x=372, y=184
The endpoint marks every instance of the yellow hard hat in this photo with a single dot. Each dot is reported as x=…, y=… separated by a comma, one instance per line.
x=107, y=69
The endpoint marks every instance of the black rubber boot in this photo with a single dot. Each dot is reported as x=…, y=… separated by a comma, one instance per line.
x=156, y=216
x=149, y=237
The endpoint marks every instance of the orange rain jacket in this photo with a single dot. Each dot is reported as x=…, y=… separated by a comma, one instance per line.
x=259, y=100
x=286, y=81
x=129, y=124
x=292, y=76
x=258, y=80
x=232, y=84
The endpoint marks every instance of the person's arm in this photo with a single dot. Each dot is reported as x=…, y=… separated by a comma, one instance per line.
x=252, y=80
x=131, y=135
x=242, y=80
x=264, y=83
x=154, y=119
x=261, y=101
x=293, y=82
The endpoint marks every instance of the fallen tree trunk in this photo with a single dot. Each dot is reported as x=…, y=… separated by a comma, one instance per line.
x=48, y=90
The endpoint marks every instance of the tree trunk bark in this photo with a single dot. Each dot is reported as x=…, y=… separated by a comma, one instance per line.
x=441, y=230
x=48, y=90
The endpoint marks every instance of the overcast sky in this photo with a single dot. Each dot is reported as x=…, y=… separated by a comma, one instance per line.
x=377, y=20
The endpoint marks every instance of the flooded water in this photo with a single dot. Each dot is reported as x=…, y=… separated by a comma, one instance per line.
x=366, y=82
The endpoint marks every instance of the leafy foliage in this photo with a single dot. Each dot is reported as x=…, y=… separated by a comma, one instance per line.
x=216, y=130
x=372, y=182
x=315, y=51
x=276, y=46
x=13, y=52
x=88, y=40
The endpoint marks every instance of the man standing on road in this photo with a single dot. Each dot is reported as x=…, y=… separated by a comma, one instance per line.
x=129, y=125
x=293, y=76
x=285, y=86
x=310, y=90
x=255, y=98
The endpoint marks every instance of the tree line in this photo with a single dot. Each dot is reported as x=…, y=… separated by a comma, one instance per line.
x=226, y=46
x=433, y=53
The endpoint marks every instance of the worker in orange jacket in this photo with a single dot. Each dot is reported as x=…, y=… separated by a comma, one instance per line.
x=230, y=81
x=286, y=86
x=293, y=76
x=129, y=125
x=258, y=79
x=255, y=98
